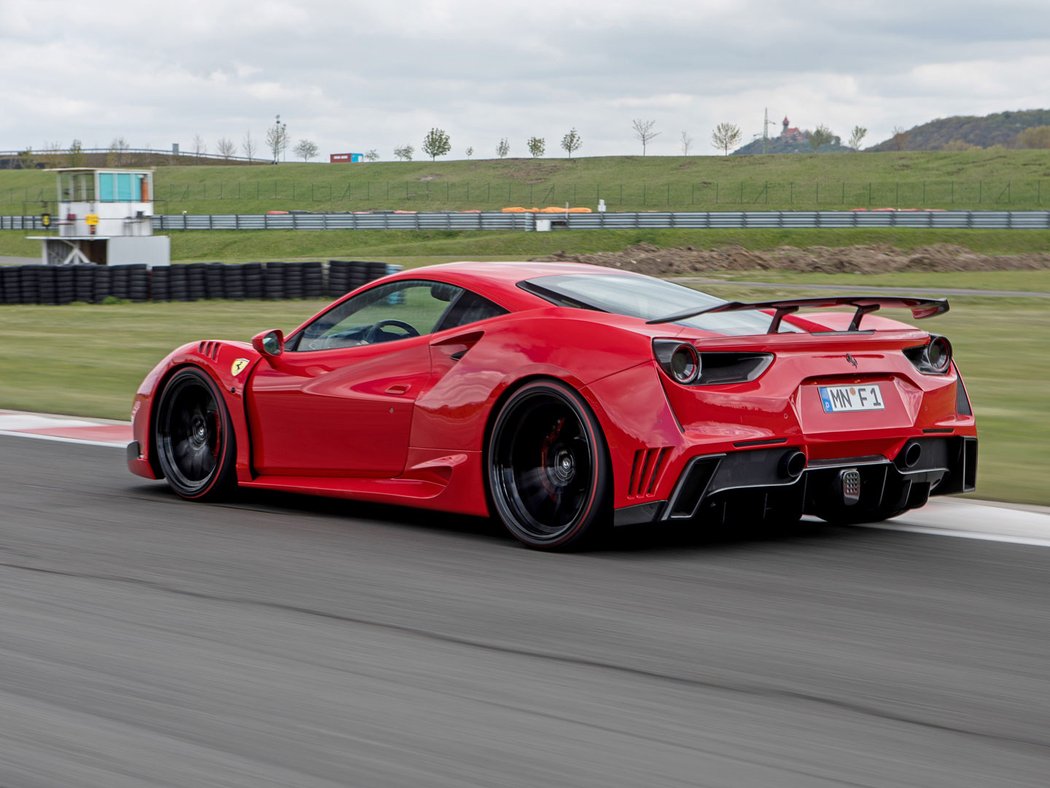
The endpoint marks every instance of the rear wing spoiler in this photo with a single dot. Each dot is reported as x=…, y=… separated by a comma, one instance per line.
x=920, y=308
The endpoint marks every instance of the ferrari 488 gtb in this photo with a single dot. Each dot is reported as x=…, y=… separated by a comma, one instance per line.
x=565, y=398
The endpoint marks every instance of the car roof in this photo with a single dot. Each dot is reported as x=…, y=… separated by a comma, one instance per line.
x=495, y=279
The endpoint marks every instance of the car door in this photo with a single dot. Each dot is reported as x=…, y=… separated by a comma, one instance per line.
x=339, y=400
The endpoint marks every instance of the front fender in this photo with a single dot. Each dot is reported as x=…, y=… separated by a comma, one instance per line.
x=229, y=364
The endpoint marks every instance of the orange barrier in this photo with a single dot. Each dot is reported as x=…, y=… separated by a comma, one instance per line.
x=548, y=209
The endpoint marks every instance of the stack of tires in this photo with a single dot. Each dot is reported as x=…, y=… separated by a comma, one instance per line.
x=10, y=285
x=253, y=280
x=84, y=283
x=293, y=280
x=347, y=275
x=232, y=281
x=338, y=277
x=29, y=284
x=196, y=287
x=44, y=284
x=102, y=284
x=46, y=292
x=313, y=280
x=65, y=285
x=120, y=282
x=179, y=282
x=273, y=281
x=138, y=282
x=215, y=280
x=160, y=283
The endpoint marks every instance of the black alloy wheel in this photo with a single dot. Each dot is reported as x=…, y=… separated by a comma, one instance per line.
x=194, y=438
x=547, y=468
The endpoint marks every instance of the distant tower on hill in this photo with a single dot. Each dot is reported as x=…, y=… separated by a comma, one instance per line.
x=786, y=124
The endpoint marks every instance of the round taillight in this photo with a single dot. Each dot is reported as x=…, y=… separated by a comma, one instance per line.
x=939, y=354
x=685, y=364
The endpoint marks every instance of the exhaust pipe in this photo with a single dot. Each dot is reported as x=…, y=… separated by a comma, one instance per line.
x=792, y=464
x=910, y=455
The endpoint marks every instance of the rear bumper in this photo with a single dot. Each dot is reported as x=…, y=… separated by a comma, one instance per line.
x=775, y=483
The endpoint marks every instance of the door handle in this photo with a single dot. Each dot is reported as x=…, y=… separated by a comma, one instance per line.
x=398, y=388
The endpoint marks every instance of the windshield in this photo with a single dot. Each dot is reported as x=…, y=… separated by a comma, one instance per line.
x=643, y=297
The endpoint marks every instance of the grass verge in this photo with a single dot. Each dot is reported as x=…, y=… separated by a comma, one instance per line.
x=979, y=180
x=234, y=246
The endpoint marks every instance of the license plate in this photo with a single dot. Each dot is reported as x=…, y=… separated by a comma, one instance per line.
x=838, y=399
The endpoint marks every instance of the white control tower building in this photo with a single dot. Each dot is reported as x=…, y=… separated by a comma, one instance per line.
x=104, y=216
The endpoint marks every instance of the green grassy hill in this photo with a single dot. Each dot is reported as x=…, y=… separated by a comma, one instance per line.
x=981, y=179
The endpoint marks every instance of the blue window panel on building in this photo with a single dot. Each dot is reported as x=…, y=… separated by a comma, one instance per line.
x=124, y=186
x=106, y=187
x=119, y=187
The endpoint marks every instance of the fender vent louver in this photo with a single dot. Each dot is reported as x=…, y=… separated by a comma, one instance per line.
x=646, y=470
x=210, y=349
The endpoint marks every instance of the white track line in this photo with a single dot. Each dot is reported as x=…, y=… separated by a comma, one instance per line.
x=979, y=535
x=63, y=439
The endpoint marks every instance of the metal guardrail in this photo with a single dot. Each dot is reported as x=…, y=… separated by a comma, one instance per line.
x=491, y=220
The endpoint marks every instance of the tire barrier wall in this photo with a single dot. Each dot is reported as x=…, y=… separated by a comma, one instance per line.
x=93, y=284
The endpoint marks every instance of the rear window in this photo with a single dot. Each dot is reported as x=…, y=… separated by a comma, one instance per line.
x=643, y=297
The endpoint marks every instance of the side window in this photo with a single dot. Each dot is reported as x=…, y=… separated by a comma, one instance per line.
x=383, y=314
x=468, y=308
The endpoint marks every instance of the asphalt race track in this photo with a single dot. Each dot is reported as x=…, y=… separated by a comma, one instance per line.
x=284, y=641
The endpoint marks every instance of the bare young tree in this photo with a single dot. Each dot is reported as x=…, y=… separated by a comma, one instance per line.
x=76, y=153
x=643, y=131
x=857, y=136
x=469, y=151
x=725, y=136
x=52, y=153
x=306, y=149
x=248, y=145
x=372, y=155
x=26, y=160
x=537, y=146
x=226, y=148
x=503, y=148
x=277, y=139
x=199, y=145
x=899, y=140
x=118, y=152
x=687, y=143
x=572, y=141
x=404, y=152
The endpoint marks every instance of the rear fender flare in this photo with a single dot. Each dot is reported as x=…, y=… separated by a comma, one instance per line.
x=600, y=417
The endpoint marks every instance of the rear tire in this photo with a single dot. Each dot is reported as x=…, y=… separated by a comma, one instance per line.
x=547, y=466
x=194, y=438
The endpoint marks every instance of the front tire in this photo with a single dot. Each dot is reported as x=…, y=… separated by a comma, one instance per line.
x=548, y=472
x=194, y=438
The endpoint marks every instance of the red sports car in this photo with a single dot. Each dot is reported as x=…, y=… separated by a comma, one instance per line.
x=565, y=398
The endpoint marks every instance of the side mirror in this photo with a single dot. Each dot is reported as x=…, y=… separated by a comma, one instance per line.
x=269, y=343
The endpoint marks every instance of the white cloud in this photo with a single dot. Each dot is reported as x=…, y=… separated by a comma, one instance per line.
x=360, y=75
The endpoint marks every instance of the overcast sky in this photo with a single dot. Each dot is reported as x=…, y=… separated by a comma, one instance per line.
x=352, y=76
